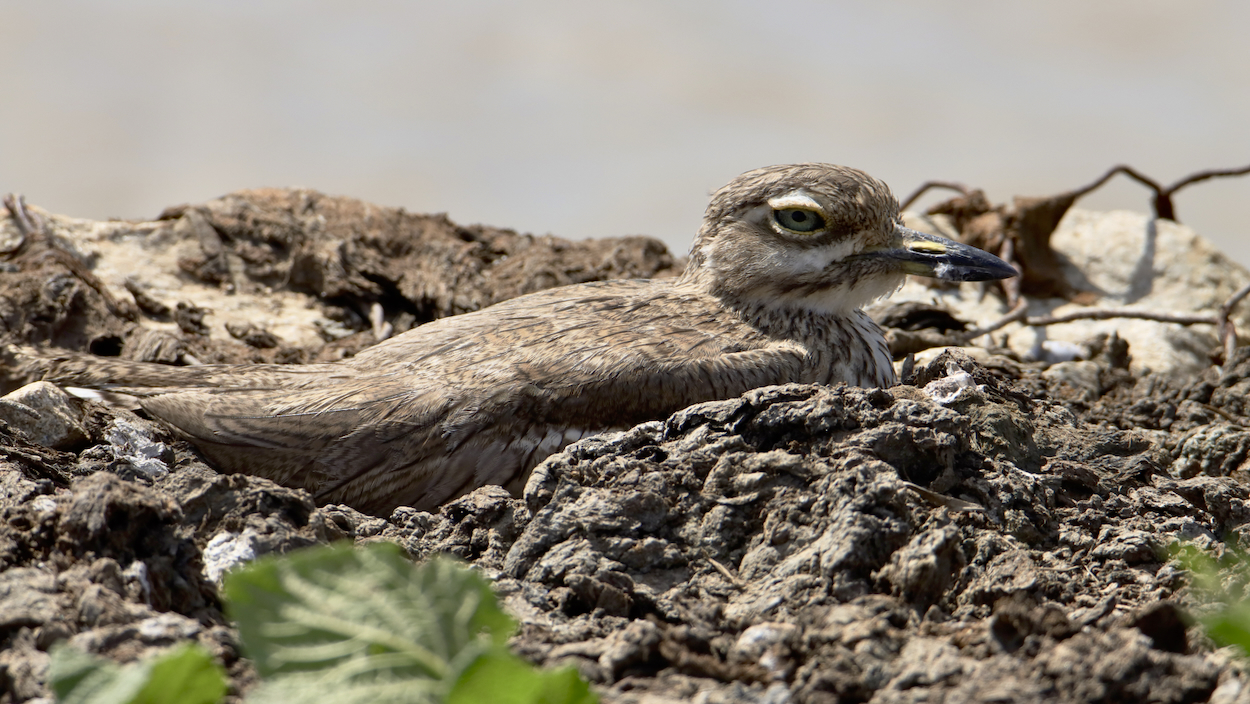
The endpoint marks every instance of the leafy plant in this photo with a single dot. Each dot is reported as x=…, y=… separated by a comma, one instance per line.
x=186, y=675
x=345, y=625
x=342, y=624
x=1222, y=582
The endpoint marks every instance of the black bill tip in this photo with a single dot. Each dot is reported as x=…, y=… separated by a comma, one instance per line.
x=939, y=258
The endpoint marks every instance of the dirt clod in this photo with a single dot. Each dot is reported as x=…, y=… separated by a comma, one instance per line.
x=994, y=530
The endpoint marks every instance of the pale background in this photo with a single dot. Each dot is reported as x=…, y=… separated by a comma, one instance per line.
x=588, y=119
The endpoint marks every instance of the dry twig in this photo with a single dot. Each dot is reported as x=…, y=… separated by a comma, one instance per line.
x=1226, y=330
x=1130, y=313
x=1017, y=313
x=1162, y=201
x=1051, y=210
x=927, y=185
x=23, y=219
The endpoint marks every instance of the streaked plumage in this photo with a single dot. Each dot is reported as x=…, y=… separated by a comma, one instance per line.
x=481, y=398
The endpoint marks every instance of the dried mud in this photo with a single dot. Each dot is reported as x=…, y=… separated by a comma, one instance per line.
x=800, y=543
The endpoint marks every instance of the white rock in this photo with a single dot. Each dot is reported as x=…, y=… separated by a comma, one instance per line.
x=1058, y=351
x=44, y=414
x=1229, y=692
x=134, y=445
x=924, y=357
x=227, y=549
x=763, y=644
x=951, y=387
x=137, y=574
x=1127, y=260
x=168, y=626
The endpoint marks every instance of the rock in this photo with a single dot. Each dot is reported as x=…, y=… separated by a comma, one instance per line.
x=136, y=451
x=44, y=414
x=226, y=550
x=27, y=598
x=285, y=268
x=1216, y=450
x=1082, y=377
x=1113, y=260
x=997, y=531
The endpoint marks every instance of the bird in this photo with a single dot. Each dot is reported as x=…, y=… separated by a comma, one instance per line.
x=778, y=274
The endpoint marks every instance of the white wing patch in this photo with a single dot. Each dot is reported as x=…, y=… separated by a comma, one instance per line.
x=505, y=462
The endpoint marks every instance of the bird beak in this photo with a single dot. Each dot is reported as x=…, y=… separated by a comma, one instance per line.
x=939, y=258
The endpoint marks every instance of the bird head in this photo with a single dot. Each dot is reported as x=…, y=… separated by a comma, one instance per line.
x=822, y=237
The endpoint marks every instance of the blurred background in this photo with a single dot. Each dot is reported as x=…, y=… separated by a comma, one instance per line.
x=595, y=119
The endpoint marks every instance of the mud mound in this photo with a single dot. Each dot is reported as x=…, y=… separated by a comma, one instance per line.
x=994, y=530
x=839, y=544
x=276, y=275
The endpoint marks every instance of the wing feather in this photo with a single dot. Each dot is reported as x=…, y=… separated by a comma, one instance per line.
x=478, y=397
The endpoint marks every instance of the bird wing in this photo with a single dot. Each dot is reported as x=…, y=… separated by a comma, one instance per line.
x=481, y=397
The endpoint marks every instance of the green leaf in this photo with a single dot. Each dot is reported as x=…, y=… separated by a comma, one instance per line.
x=1231, y=626
x=184, y=675
x=500, y=677
x=1220, y=581
x=343, y=624
x=304, y=688
x=72, y=673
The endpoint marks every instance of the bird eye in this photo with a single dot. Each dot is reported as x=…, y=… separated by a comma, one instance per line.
x=798, y=219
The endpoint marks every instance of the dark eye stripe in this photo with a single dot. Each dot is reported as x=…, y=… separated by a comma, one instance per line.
x=798, y=219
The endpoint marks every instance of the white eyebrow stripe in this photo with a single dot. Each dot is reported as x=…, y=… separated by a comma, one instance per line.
x=795, y=199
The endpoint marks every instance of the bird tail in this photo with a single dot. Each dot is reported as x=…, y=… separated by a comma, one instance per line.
x=22, y=364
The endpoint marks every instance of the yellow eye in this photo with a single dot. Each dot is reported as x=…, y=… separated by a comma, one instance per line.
x=798, y=219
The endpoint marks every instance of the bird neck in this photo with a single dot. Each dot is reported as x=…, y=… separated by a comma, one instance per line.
x=777, y=302
x=841, y=343
x=779, y=316
x=840, y=346
x=792, y=320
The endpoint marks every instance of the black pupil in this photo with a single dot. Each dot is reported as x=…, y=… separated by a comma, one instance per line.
x=798, y=216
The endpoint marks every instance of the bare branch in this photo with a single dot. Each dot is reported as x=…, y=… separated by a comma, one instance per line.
x=1163, y=198
x=1204, y=175
x=16, y=204
x=26, y=225
x=1162, y=201
x=1111, y=313
x=1017, y=313
x=121, y=308
x=927, y=185
x=1228, y=331
x=1107, y=177
x=1138, y=177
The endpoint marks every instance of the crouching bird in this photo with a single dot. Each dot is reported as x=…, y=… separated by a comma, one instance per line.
x=784, y=261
